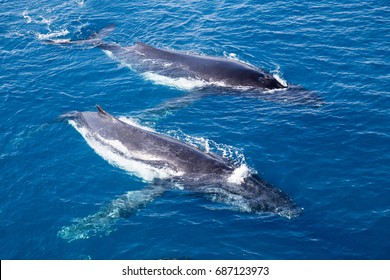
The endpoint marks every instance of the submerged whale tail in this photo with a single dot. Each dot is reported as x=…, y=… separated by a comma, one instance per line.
x=95, y=38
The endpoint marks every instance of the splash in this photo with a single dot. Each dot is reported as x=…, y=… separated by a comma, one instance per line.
x=51, y=18
x=41, y=20
x=232, y=56
x=54, y=34
x=133, y=122
x=239, y=174
x=27, y=17
x=79, y=2
x=230, y=153
x=179, y=83
x=278, y=76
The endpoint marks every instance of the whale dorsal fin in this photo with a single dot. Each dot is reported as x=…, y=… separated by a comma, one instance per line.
x=104, y=113
x=101, y=111
x=144, y=46
x=102, y=33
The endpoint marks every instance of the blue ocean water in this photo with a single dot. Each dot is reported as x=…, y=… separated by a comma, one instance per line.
x=333, y=160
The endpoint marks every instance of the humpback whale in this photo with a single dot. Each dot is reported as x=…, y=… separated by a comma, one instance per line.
x=216, y=71
x=202, y=73
x=167, y=163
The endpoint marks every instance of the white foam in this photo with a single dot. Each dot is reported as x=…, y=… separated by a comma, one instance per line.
x=232, y=154
x=45, y=21
x=47, y=36
x=232, y=56
x=115, y=144
x=26, y=16
x=60, y=41
x=277, y=75
x=79, y=2
x=180, y=83
x=199, y=142
x=41, y=20
x=108, y=149
x=187, y=83
x=110, y=54
x=133, y=122
x=239, y=174
x=282, y=81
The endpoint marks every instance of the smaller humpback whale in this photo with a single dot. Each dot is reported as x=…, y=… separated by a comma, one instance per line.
x=167, y=163
x=203, y=73
x=216, y=71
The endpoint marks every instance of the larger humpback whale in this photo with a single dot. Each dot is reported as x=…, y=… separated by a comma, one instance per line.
x=165, y=163
x=210, y=70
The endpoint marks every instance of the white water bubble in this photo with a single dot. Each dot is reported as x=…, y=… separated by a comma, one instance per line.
x=54, y=34
x=278, y=76
x=26, y=16
x=239, y=174
x=133, y=122
x=180, y=83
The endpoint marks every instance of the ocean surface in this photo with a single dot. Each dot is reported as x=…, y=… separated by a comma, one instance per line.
x=333, y=160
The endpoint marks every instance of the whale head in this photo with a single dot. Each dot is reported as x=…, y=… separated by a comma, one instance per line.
x=250, y=194
x=268, y=82
x=264, y=197
x=256, y=78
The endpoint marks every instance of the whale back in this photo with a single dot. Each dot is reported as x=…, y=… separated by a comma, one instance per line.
x=212, y=69
x=148, y=146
